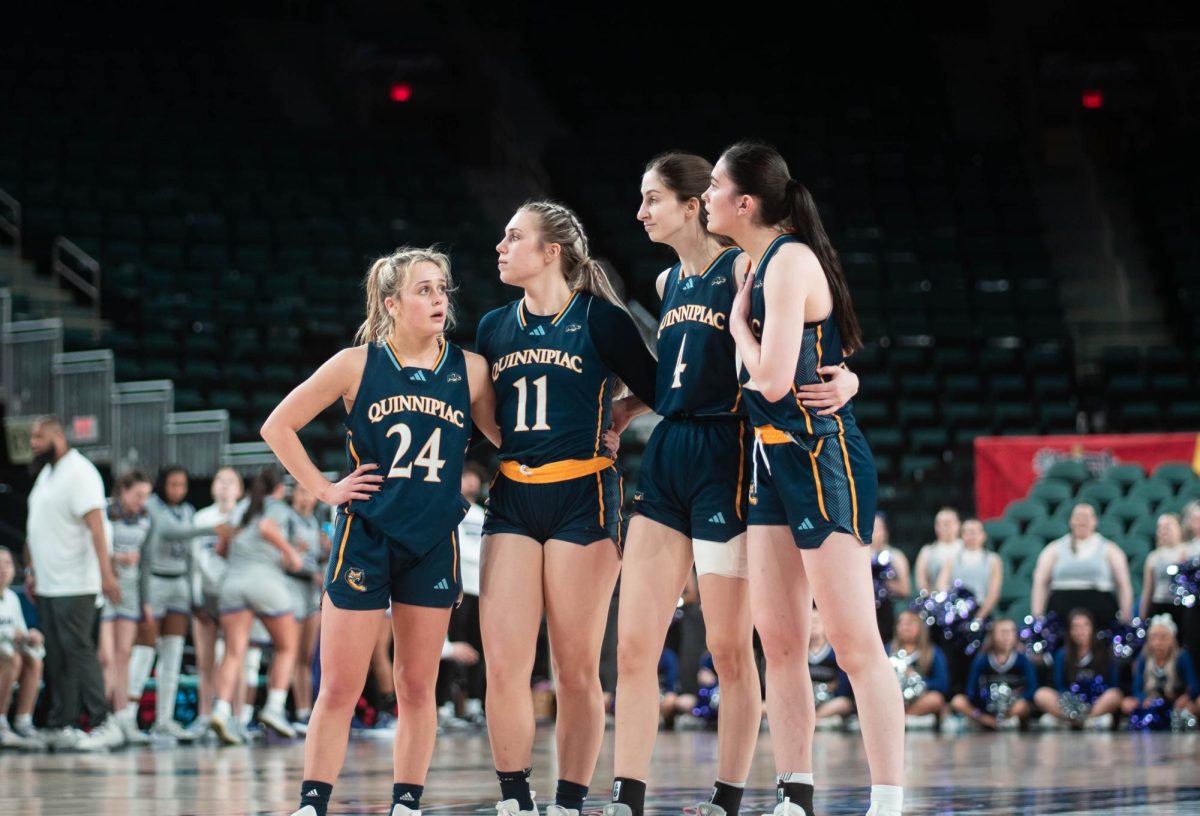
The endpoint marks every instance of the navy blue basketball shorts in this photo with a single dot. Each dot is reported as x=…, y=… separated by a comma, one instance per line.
x=579, y=510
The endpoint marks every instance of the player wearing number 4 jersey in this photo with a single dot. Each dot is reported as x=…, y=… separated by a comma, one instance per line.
x=691, y=502
x=553, y=519
x=410, y=398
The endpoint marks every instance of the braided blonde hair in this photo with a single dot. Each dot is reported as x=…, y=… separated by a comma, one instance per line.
x=560, y=225
x=387, y=276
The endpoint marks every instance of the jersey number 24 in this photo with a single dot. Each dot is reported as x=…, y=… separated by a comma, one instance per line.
x=429, y=457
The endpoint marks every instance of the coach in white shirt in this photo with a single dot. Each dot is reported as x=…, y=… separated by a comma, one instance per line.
x=71, y=565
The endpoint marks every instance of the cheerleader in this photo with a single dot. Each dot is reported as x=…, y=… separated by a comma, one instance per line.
x=832, y=694
x=1083, y=569
x=922, y=669
x=975, y=568
x=1163, y=672
x=893, y=577
x=119, y=622
x=1086, y=689
x=1158, y=591
x=1001, y=684
x=933, y=557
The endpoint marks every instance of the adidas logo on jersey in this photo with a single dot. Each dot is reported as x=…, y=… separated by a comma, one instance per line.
x=719, y=518
x=537, y=331
x=574, y=327
x=442, y=584
x=805, y=525
x=455, y=377
x=418, y=376
x=688, y=283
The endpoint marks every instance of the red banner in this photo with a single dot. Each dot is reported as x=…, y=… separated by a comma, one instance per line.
x=1007, y=466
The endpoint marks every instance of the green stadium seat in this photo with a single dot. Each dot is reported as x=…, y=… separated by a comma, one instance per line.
x=1127, y=510
x=915, y=412
x=1145, y=527
x=1018, y=548
x=1068, y=470
x=1048, y=528
x=1184, y=414
x=1137, y=565
x=1011, y=589
x=1125, y=475
x=1173, y=473
x=1018, y=610
x=1000, y=530
x=1024, y=511
x=1190, y=490
x=1026, y=570
x=1153, y=491
x=1110, y=529
x=929, y=440
x=1052, y=491
x=1099, y=494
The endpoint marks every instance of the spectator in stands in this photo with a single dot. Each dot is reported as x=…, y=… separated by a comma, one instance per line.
x=1086, y=684
x=129, y=524
x=1158, y=591
x=256, y=585
x=21, y=653
x=1164, y=671
x=922, y=669
x=1002, y=682
x=1085, y=570
x=208, y=568
x=976, y=568
x=933, y=557
x=898, y=588
x=1191, y=617
x=310, y=541
x=71, y=565
x=1191, y=526
x=166, y=597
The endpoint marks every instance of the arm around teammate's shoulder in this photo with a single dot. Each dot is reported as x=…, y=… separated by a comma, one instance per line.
x=337, y=377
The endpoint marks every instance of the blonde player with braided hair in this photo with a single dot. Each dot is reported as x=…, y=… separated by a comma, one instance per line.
x=552, y=533
x=411, y=397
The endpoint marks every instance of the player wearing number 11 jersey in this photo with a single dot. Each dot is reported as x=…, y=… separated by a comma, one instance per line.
x=411, y=397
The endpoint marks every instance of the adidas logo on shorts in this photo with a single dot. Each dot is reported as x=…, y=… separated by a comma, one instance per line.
x=719, y=518
x=805, y=525
x=537, y=331
x=442, y=584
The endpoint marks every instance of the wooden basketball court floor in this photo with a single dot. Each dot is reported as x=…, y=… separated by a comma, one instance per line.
x=1006, y=773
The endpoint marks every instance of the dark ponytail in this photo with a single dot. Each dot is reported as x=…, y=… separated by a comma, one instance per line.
x=262, y=485
x=758, y=170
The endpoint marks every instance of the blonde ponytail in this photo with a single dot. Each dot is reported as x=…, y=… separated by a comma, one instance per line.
x=387, y=276
x=560, y=225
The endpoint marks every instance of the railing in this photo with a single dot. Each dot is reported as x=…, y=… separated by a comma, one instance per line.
x=71, y=263
x=10, y=219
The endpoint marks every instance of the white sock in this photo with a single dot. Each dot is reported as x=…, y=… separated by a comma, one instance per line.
x=886, y=800
x=3, y=722
x=732, y=784
x=245, y=714
x=170, y=660
x=24, y=721
x=276, y=700
x=795, y=776
x=221, y=710
x=141, y=661
x=218, y=652
x=253, y=665
x=303, y=714
x=126, y=714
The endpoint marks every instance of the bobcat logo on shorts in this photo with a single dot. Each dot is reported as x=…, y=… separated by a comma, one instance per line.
x=354, y=579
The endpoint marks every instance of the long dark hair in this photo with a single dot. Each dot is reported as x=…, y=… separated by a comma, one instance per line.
x=758, y=170
x=160, y=483
x=1099, y=655
x=262, y=485
x=687, y=176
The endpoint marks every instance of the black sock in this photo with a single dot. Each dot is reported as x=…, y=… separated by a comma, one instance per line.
x=799, y=792
x=316, y=795
x=407, y=795
x=630, y=792
x=388, y=703
x=570, y=795
x=515, y=785
x=727, y=796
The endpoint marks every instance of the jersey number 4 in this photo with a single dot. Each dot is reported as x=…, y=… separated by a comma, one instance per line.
x=680, y=365
x=539, y=420
x=429, y=457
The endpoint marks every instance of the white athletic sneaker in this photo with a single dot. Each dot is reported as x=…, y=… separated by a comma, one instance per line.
x=170, y=730
x=110, y=731
x=920, y=722
x=1048, y=722
x=555, y=810
x=710, y=809
x=509, y=807
x=197, y=729
x=133, y=735
x=1009, y=724
x=1102, y=722
x=277, y=721
x=307, y=810
x=617, y=809
x=98, y=740
x=401, y=810
x=829, y=724
x=787, y=808
x=11, y=739
x=226, y=731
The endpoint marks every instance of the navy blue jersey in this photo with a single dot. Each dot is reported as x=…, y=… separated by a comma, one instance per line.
x=697, y=372
x=414, y=423
x=555, y=375
x=821, y=346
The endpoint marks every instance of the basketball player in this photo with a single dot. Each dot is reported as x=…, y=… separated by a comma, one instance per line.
x=410, y=398
x=691, y=501
x=552, y=532
x=813, y=480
